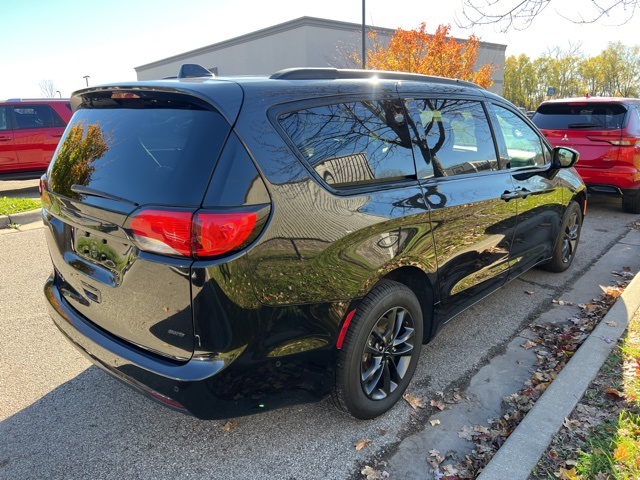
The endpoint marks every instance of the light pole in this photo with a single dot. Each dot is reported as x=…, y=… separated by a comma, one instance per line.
x=86, y=78
x=363, y=26
x=59, y=94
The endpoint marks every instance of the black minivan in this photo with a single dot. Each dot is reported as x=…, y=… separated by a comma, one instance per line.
x=232, y=245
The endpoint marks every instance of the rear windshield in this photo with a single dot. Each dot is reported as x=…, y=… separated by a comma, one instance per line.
x=564, y=116
x=140, y=155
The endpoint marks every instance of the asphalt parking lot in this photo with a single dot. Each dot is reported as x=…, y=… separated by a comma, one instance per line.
x=61, y=418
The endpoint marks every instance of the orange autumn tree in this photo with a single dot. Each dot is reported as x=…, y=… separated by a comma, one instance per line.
x=439, y=54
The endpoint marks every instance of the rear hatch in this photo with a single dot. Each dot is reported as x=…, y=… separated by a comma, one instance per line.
x=594, y=129
x=130, y=168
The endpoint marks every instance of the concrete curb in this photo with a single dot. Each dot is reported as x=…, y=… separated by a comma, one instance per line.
x=528, y=442
x=22, y=218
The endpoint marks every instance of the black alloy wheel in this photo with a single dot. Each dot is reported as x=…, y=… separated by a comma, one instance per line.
x=380, y=351
x=568, y=239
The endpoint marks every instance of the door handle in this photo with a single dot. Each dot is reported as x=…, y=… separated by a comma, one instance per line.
x=509, y=195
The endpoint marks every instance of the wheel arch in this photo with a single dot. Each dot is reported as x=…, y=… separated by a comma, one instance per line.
x=581, y=199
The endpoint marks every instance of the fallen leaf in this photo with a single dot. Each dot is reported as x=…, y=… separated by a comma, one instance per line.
x=528, y=292
x=166, y=309
x=566, y=474
x=466, y=433
x=571, y=424
x=434, y=422
x=528, y=344
x=229, y=426
x=415, y=402
x=434, y=458
x=370, y=473
x=611, y=323
x=614, y=394
x=439, y=404
x=613, y=292
x=360, y=444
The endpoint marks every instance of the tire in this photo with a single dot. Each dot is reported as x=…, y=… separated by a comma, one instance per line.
x=567, y=241
x=631, y=203
x=380, y=351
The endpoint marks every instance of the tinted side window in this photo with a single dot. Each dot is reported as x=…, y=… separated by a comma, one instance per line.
x=452, y=137
x=4, y=120
x=36, y=116
x=353, y=143
x=522, y=146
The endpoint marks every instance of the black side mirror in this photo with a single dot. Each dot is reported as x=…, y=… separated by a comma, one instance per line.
x=564, y=157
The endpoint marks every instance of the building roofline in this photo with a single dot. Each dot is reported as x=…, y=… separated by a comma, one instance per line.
x=279, y=28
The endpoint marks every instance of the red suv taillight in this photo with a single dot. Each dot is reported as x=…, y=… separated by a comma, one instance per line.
x=199, y=235
x=617, y=141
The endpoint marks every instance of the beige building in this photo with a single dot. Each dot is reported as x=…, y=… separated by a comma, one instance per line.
x=303, y=42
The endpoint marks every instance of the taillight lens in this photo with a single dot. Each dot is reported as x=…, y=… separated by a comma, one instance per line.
x=167, y=232
x=200, y=235
x=217, y=233
x=617, y=141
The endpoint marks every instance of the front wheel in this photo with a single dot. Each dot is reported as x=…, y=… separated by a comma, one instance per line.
x=380, y=351
x=567, y=241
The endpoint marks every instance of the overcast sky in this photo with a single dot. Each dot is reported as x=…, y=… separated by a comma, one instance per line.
x=65, y=40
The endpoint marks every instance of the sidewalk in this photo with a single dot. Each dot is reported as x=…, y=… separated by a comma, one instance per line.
x=506, y=374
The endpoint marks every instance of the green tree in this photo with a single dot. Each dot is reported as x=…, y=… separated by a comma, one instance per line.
x=521, y=82
x=620, y=66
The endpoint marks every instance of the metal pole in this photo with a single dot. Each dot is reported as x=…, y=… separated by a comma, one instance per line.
x=363, y=36
x=86, y=77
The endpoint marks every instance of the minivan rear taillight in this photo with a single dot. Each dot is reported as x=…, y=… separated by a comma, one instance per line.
x=217, y=233
x=184, y=233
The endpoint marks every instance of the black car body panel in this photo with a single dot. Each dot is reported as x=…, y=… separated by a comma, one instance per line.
x=318, y=190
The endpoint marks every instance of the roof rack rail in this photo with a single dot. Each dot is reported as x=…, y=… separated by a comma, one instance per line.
x=193, y=70
x=339, y=74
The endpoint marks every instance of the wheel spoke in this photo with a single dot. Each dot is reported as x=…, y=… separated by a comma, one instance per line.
x=386, y=379
x=408, y=333
x=398, y=323
x=373, y=369
x=389, y=333
x=402, y=350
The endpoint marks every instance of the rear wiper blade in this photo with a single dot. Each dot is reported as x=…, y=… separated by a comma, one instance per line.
x=583, y=125
x=82, y=190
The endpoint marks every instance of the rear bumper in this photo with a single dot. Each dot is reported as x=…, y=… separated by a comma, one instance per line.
x=207, y=388
x=618, y=180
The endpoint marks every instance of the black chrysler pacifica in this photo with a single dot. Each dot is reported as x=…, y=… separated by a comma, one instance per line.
x=233, y=245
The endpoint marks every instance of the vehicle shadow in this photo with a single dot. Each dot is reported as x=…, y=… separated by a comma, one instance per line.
x=92, y=426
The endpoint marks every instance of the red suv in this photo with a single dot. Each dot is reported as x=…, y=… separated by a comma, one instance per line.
x=29, y=133
x=606, y=133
